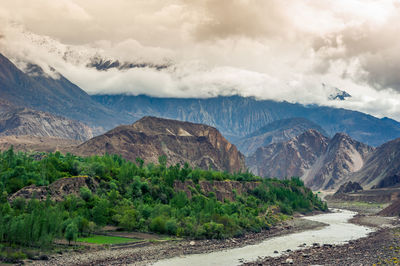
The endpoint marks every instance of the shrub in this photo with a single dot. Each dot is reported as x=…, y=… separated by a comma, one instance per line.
x=157, y=225
x=171, y=227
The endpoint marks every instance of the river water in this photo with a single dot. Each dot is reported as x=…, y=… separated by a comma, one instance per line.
x=337, y=231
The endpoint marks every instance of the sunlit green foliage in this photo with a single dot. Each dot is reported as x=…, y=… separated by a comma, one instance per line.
x=139, y=197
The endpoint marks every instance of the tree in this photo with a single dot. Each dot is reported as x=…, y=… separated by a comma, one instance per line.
x=71, y=233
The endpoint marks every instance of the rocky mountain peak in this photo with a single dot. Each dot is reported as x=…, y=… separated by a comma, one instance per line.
x=321, y=162
x=150, y=137
x=291, y=158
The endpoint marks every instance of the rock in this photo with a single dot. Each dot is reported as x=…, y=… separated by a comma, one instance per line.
x=276, y=252
x=349, y=187
x=151, y=137
x=58, y=189
x=23, y=121
x=321, y=162
x=192, y=243
x=290, y=261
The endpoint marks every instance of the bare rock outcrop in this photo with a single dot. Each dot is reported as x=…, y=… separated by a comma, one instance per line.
x=321, y=162
x=23, y=121
x=56, y=190
x=349, y=187
x=224, y=190
x=287, y=159
x=150, y=137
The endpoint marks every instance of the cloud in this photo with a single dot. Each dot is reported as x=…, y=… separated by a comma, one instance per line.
x=280, y=50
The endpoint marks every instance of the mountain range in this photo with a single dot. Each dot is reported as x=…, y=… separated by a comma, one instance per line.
x=326, y=163
x=280, y=139
x=277, y=131
x=236, y=117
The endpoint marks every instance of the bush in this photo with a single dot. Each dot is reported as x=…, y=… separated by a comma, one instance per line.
x=171, y=227
x=213, y=230
x=157, y=225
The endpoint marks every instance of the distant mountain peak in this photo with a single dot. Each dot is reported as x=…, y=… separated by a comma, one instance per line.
x=336, y=94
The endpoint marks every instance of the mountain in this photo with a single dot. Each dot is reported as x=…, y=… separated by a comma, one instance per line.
x=150, y=137
x=56, y=95
x=236, y=116
x=41, y=144
x=277, y=131
x=106, y=64
x=287, y=159
x=343, y=157
x=382, y=167
x=23, y=121
x=321, y=162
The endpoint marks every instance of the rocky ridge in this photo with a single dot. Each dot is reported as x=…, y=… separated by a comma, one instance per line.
x=224, y=190
x=275, y=132
x=150, y=137
x=56, y=190
x=321, y=162
x=23, y=121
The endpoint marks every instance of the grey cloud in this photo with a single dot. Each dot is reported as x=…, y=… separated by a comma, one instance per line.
x=280, y=50
x=252, y=18
x=375, y=48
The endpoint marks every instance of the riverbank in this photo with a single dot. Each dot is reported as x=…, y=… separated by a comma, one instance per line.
x=379, y=247
x=151, y=252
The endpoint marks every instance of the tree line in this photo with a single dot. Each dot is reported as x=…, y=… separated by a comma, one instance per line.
x=135, y=196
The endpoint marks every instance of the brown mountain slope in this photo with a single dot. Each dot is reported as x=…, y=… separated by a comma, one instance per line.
x=150, y=137
x=381, y=167
x=23, y=121
x=343, y=157
x=287, y=159
x=41, y=144
x=320, y=162
x=275, y=132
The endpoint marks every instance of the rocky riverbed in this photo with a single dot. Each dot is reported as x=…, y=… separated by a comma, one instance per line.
x=381, y=247
x=152, y=252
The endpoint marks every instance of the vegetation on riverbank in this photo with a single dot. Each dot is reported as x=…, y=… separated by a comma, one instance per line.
x=139, y=197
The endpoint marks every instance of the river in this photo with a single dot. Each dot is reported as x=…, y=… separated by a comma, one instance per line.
x=337, y=231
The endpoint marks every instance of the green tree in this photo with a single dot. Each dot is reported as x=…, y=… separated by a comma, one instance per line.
x=71, y=233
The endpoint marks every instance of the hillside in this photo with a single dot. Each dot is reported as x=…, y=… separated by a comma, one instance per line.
x=56, y=95
x=236, y=116
x=321, y=162
x=23, y=121
x=277, y=131
x=382, y=167
x=74, y=195
x=291, y=158
x=40, y=144
x=150, y=137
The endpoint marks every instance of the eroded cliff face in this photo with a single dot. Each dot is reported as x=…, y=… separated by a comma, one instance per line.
x=343, y=157
x=287, y=159
x=382, y=167
x=321, y=162
x=23, y=121
x=57, y=190
x=199, y=145
x=224, y=190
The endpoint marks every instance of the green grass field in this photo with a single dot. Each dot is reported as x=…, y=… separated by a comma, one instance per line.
x=100, y=239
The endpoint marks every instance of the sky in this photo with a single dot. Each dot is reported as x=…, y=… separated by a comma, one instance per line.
x=269, y=49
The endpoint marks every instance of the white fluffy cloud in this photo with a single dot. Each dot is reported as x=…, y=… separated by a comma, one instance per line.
x=280, y=50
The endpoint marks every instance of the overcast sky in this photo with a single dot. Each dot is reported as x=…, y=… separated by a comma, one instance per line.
x=271, y=49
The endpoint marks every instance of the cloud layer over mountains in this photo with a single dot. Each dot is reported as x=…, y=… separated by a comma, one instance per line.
x=280, y=50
